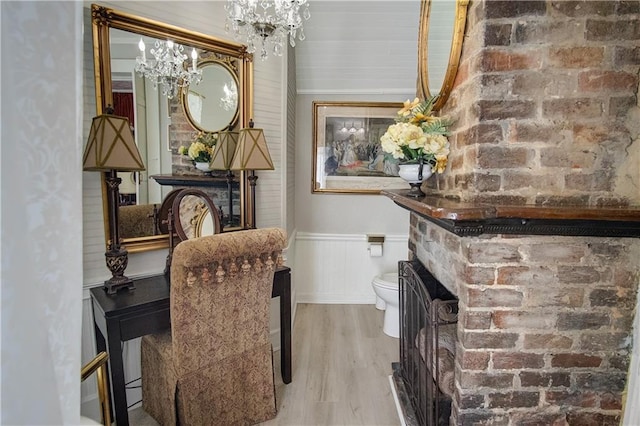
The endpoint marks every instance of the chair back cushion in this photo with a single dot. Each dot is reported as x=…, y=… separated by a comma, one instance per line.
x=220, y=295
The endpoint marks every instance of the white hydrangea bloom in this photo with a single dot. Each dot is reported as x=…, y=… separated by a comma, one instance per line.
x=399, y=135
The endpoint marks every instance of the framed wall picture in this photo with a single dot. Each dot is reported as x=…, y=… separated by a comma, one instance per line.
x=347, y=155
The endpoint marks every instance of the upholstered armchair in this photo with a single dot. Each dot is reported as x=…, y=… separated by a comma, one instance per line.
x=215, y=366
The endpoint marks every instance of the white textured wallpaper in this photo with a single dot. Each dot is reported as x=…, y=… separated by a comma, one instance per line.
x=41, y=219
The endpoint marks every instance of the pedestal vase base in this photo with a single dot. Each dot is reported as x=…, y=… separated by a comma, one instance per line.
x=415, y=174
x=415, y=190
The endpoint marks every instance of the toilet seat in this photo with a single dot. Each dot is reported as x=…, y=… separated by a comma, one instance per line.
x=388, y=280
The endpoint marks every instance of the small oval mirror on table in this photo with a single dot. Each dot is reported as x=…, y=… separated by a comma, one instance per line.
x=186, y=214
x=190, y=207
x=439, y=47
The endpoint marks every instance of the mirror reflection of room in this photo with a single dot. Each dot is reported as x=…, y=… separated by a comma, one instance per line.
x=212, y=105
x=135, y=97
x=163, y=124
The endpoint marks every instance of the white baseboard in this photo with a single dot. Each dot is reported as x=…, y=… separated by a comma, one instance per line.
x=274, y=335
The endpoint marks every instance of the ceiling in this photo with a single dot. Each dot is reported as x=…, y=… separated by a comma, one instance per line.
x=359, y=46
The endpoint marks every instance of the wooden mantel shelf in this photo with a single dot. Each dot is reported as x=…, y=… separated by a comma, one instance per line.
x=191, y=180
x=467, y=219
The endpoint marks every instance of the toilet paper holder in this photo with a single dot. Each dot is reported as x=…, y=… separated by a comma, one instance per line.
x=375, y=239
x=375, y=242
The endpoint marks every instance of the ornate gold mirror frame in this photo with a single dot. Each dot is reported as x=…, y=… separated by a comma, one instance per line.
x=457, y=35
x=103, y=19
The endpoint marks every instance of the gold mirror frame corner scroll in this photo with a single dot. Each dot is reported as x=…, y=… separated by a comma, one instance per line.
x=102, y=19
x=454, y=55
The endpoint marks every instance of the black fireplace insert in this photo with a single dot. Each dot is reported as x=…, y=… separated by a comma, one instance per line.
x=428, y=336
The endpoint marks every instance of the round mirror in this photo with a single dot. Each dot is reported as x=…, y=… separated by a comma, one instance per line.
x=194, y=214
x=212, y=105
x=439, y=46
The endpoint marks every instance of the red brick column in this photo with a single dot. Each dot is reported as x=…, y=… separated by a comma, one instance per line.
x=544, y=324
x=541, y=104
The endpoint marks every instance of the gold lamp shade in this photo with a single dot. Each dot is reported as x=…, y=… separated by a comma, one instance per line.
x=111, y=146
x=252, y=152
x=224, y=150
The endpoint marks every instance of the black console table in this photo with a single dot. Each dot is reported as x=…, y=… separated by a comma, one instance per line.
x=145, y=310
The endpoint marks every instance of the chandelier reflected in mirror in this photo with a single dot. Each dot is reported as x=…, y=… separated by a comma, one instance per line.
x=267, y=22
x=230, y=99
x=167, y=68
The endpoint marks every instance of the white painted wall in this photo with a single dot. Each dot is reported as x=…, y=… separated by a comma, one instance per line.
x=331, y=252
x=354, y=51
x=41, y=212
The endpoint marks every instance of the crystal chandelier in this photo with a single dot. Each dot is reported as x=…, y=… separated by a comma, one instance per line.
x=167, y=67
x=267, y=22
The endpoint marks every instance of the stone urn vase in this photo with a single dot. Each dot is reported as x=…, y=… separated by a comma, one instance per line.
x=415, y=174
x=203, y=167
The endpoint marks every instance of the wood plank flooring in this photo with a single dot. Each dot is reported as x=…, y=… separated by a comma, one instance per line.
x=341, y=364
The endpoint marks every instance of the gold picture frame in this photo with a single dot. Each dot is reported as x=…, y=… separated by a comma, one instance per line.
x=347, y=154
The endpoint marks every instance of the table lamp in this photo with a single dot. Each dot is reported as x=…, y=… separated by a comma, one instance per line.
x=252, y=154
x=221, y=159
x=111, y=148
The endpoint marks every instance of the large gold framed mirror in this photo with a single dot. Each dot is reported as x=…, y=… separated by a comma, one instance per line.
x=116, y=35
x=440, y=40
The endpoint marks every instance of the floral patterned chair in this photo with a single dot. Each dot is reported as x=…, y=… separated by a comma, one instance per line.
x=215, y=365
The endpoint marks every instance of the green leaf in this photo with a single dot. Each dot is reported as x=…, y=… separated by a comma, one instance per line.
x=438, y=127
x=425, y=107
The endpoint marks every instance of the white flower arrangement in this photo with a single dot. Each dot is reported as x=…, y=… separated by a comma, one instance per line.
x=417, y=136
x=201, y=149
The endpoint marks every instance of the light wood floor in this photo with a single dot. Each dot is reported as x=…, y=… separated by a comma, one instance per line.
x=341, y=364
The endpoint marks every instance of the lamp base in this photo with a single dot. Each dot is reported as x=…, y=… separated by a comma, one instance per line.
x=117, y=261
x=252, y=190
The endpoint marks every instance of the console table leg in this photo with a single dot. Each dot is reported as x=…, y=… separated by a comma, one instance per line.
x=116, y=367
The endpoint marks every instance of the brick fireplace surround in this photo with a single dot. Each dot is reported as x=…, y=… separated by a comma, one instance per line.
x=535, y=224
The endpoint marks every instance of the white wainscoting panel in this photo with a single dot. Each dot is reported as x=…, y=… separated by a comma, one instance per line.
x=337, y=268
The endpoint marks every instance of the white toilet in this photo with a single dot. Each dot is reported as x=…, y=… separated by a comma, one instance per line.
x=386, y=288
